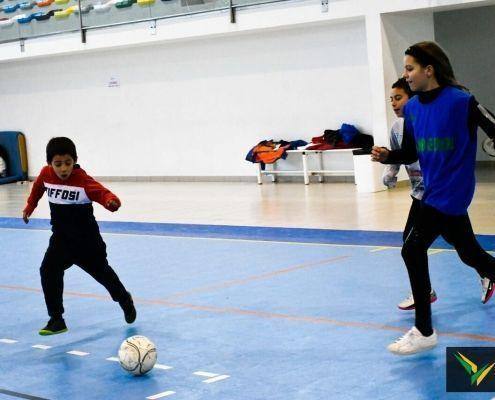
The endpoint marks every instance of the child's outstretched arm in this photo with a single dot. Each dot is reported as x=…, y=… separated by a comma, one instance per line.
x=99, y=193
x=407, y=154
x=35, y=196
x=391, y=171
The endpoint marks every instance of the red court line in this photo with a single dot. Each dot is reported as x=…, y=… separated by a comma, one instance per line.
x=249, y=279
x=261, y=314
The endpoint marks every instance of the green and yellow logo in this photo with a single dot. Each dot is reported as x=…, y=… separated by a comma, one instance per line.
x=435, y=144
x=477, y=375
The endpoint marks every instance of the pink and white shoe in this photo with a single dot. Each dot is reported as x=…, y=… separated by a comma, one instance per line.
x=408, y=302
x=487, y=289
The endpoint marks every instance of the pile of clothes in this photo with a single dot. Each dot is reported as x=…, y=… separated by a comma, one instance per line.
x=347, y=137
x=269, y=151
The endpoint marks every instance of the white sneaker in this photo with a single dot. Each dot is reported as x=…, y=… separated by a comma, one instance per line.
x=408, y=302
x=487, y=289
x=413, y=342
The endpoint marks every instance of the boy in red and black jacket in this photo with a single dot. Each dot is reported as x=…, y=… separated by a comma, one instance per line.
x=76, y=237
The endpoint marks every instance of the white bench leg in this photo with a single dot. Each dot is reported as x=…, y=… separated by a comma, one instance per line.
x=259, y=175
x=305, y=168
x=274, y=176
x=321, y=177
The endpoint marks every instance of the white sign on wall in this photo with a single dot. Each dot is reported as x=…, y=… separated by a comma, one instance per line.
x=113, y=82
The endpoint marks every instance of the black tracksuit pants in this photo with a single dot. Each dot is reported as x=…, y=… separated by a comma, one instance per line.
x=457, y=231
x=88, y=251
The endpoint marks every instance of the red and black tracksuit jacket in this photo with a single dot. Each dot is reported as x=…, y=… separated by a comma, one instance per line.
x=70, y=201
x=76, y=237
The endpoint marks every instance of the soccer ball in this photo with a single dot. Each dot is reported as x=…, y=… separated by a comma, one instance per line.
x=137, y=355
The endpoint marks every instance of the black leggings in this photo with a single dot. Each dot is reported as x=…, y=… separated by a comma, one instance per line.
x=413, y=214
x=89, y=254
x=411, y=218
x=457, y=231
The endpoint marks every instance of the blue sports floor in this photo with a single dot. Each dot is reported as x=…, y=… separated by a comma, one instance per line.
x=236, y=313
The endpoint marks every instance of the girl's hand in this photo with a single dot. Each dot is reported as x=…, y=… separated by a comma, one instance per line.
x=379, y=154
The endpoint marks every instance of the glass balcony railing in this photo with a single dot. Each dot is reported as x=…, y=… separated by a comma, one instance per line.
x=25, y=19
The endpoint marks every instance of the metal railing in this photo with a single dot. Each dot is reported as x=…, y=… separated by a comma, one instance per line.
x=42, y=18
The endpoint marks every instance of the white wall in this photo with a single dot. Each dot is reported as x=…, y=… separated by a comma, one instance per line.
x=192, y=108
x=201, y=91
x=468, y=37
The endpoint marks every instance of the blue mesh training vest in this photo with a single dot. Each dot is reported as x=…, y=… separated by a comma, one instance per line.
x=446, y=149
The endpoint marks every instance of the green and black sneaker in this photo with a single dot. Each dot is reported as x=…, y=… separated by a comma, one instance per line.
x=53, y=327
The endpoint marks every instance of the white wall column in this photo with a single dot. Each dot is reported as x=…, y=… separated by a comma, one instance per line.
x=369, y=174
x=388, y=35
x=377, y=81
x=399, y=31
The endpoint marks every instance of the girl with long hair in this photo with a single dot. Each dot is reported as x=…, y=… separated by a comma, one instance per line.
x=440, y=130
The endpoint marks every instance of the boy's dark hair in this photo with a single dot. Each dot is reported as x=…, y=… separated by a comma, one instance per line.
x=401, y=83
x=59, y=146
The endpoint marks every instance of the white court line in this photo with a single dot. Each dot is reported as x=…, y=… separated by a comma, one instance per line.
x=160, y=395
x=8, y=341
x=217, y=378
x=161, y=366
x=205, y=374
x=219, y=239
x=41, y=346
x=239, y=240
x=77, y=353
x=235, y=240
x=157, y=366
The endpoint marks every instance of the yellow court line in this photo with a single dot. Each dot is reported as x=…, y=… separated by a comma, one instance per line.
x=380, y=249
x=435, y=251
